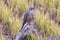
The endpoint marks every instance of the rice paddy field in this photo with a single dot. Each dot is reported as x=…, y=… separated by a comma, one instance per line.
x=47, y=17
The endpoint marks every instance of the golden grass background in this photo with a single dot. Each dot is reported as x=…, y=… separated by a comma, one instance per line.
x=47, y=16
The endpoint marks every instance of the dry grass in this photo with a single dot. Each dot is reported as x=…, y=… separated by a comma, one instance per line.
x=43, y=22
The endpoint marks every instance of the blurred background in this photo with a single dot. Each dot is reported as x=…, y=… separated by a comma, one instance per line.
x=47, y=17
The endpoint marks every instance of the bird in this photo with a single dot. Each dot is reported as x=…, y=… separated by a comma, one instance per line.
x=28, y=14
x=28, y=26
